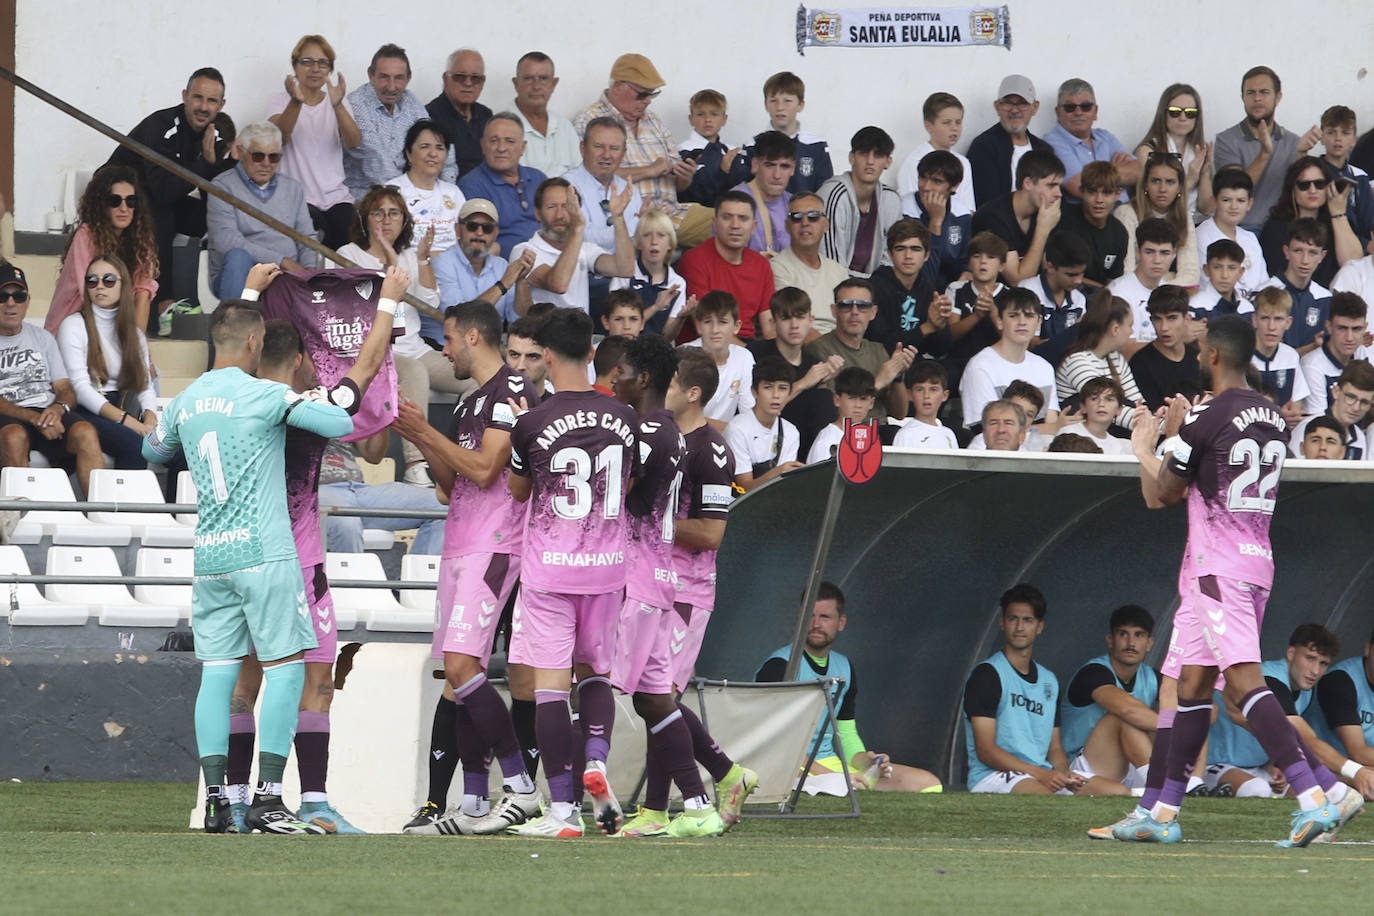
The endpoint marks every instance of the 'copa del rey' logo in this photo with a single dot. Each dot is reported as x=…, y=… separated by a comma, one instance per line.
x=861, y=452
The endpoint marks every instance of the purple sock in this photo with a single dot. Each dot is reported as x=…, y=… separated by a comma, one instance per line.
x=242, y=731
x=472, y=750
x=312, y=749
x=675, y=745
x=579, y=758
x=657, y=772
x=1277, y=736
x=554, y=728
x=493, y=724
x=1325, y=778
x=443, y=751
x=522, y=716
x=704, y=747
x=1191, y=724
x=596, y=706
x=476, y=784
x=1159, y=755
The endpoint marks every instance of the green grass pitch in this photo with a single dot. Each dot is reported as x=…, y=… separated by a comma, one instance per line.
x=118, y=847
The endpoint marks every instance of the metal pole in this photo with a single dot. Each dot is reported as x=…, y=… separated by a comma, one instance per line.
x=191, y=177
x=813, y=584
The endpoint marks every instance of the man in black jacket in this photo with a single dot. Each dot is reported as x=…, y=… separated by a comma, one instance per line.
x=195, y=135
x=993, y=153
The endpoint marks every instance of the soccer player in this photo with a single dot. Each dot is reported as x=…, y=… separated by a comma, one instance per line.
x=284, y=360
x=247, y=592
x=1225, y=456
x=1107, y=713
x=703, y=503
x=477, y=573
x=1343, y=715
x=571, y=457
x=643, y=663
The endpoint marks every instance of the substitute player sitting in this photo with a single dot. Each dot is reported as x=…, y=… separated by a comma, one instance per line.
x=1225, y=456
x=478, y=570
x=1107, y=717
x=247, y=591
x=867, y=769
x=571, y=458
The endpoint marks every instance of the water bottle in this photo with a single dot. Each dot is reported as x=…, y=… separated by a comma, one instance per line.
x=875, y=770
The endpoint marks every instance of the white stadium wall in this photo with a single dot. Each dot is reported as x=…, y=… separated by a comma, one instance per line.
x=121, y=61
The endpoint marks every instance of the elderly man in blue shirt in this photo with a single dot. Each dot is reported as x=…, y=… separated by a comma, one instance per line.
x=469, y=271
x=1076, y=142
x=384, y=109
x=503, y=181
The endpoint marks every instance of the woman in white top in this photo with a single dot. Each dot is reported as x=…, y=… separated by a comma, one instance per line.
x=106, y=355
x=1177, y=129
x=1103, y=331
x=433, y=203
x=316, y=124
x=1159, y=195
x=382, y=234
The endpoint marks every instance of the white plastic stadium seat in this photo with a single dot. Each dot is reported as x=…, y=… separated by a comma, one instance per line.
x=52, y=485
x=34, y=609
x=377, y=538
x=162, y=562
x=154, y=529
x=419, y=567
x=376, y=608
x=186, y=494
x=110, y=603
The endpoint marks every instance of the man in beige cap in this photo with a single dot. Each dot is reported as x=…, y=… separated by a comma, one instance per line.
x=651, y=161
x=994, y=153
x=469, y=271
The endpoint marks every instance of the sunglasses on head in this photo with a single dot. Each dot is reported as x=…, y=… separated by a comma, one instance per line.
x=811, y=216
x=18, y=295
x=1310, y=183
x=259, y=156
x=478, y=225
x=1071, y=107
x=1174, y=111
x=114, y=200
x=1164, y=156
x=106, y=280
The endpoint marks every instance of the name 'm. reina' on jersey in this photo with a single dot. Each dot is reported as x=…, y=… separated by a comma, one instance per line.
x=1232, y=449
x=232, y=428
x=580, y=450
x=486, y=519
x=652, y=505
x=333, y=311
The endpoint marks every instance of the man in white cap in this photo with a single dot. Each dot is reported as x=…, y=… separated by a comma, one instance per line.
x=995, y=152
x=651, y=161
x=469, y=271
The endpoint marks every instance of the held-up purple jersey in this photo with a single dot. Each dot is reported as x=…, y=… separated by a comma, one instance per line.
x=707, y=492
x=1232, y=448
x=304, y=452
x=333, y=310
x=579, y=448
x=652, y=505
x=485, y=520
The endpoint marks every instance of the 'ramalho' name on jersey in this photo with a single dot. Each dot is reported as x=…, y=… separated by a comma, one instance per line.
x=580, y=449
x=486, y=520
x=1232, y=448
x=651, y=505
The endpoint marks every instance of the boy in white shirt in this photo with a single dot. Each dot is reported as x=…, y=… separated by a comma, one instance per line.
x=1101, y=398
x=717, y=318
x=989, y=372
x=1155, y=244
x=1345, y=333
x=1222, y=268
x=1233, y=190
x=1277, y=362
x=855, y=392
x=763, y=444
x=943, y=115
x=927, y=385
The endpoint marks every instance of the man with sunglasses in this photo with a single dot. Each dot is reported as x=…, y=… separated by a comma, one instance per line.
x=470, y=271
x=36, y=396
x=854, y=309
x=1259, y=145
x=384, y=109
x=1076, y=142
x=994, y=153
x=802, y=265
x=651, y=160
x=237, y=240
x=196, y=135
x=457, y=111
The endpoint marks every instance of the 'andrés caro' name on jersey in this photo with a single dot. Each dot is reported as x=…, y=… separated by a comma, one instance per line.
x=585, y=419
